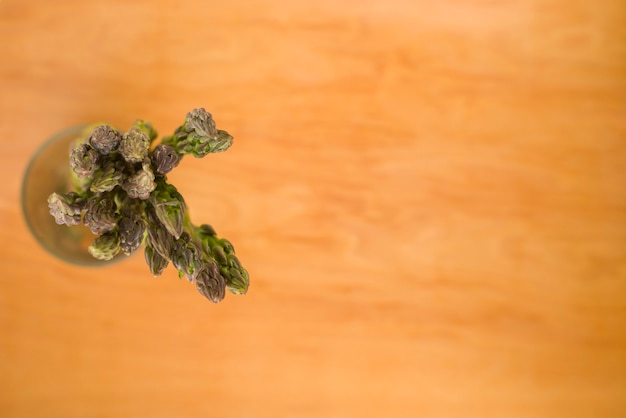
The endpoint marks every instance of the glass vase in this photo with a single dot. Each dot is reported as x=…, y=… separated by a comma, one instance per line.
x=49, y=172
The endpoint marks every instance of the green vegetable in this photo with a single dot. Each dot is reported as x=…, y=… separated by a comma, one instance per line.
x=122, y=195
x=164, y=158
x=169, y=207
x=134, y=145
x=105, y=139
x=106, y=246
x=66, y=208
x=210, y=283
x=156, y=262
x=198, y=135
x=100, y=214
x=84, y=160
x=141, y=183
x=108, y=176
x=222, y=251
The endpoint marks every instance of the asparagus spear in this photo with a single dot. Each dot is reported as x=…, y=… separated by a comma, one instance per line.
x=122, y=195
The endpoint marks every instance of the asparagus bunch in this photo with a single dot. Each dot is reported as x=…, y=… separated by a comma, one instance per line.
x=122, y=195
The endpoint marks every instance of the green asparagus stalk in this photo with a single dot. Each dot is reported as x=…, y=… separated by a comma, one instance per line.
x=122, y=195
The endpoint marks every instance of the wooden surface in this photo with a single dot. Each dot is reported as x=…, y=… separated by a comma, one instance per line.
x=429, y=197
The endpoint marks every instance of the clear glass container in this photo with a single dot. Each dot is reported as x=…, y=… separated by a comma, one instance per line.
x=48, y=172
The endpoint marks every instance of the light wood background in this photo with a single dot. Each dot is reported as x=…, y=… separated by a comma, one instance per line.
x=429, y=197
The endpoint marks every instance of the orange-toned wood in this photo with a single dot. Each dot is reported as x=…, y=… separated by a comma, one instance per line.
x=429, y=197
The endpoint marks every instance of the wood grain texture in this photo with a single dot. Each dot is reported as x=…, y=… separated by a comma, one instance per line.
x=429, y=197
